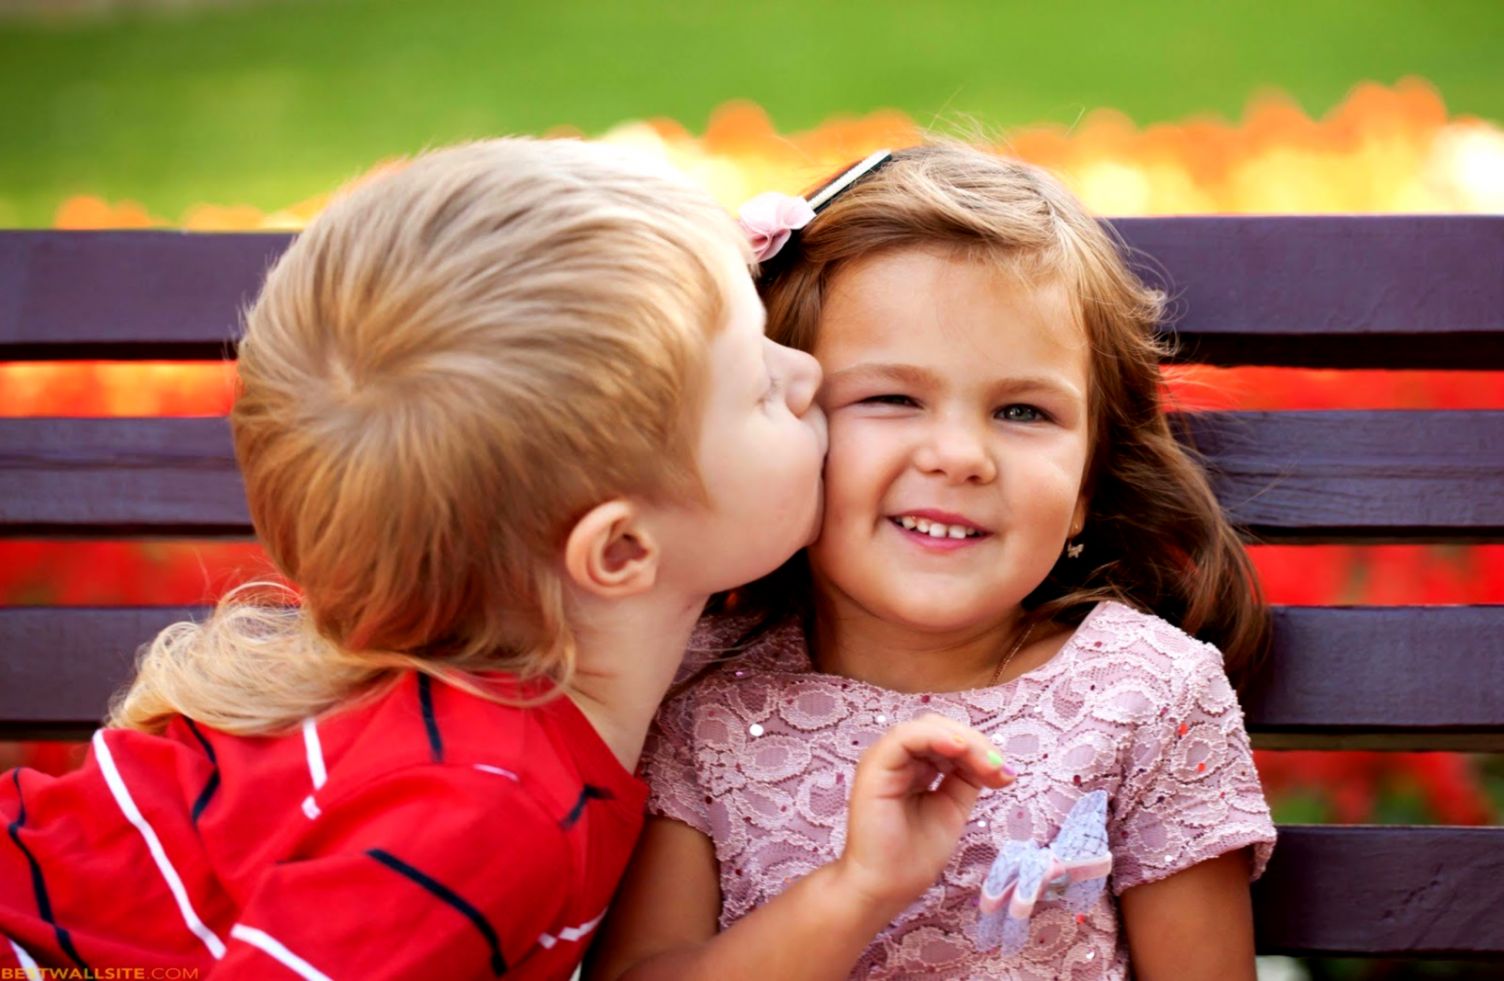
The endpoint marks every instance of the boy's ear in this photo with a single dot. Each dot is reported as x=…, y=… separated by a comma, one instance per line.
x=610, y=553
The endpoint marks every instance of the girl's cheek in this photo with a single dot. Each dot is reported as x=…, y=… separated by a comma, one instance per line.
x=1067, y=483
x=866, y=475
x=847, y=451
x=1068, y=460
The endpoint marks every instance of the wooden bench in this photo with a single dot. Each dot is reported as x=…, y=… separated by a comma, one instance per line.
x=1339, y=292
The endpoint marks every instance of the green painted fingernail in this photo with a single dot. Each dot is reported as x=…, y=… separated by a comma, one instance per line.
x=995, y=758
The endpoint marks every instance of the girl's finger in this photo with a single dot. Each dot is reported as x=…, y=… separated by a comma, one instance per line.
x=973, y=755
x=982, y=764
x=935, y=738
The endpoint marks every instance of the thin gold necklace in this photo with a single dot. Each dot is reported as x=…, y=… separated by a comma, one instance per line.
x=1018, y=645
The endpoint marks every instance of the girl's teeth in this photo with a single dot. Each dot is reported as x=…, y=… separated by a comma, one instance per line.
x=935, y=529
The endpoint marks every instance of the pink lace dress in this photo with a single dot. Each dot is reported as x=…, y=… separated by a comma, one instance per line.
x=759, y=755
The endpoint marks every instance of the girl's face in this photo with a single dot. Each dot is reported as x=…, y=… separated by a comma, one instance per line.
x=957, y=403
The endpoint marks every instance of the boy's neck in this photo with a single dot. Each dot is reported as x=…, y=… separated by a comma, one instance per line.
x=626, y=657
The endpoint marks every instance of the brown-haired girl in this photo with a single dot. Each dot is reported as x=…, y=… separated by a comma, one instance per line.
x=1013, y=539
x=507, y=419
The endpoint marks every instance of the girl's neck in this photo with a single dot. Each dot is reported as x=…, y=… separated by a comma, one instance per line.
x=850, y=642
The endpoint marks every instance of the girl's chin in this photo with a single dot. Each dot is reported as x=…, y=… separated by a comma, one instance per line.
x=940, y=618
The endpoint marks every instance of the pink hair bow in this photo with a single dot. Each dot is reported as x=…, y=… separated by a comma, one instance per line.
x=1073, y=868
x=770, y=218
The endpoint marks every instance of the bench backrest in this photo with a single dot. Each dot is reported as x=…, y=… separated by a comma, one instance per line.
x=1337, y=292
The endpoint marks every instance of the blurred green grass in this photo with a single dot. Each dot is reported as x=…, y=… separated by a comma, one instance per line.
x=269, y=103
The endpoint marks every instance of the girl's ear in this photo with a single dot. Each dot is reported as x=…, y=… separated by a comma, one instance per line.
x=610, y=553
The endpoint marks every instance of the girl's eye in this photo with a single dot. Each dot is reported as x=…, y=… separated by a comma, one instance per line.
x=887, y=400
x=1021, y=413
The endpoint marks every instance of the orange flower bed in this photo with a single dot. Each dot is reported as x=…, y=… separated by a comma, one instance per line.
x=1383, y=149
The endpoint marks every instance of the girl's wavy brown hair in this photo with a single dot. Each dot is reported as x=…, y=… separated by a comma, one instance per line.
x=1155, y=537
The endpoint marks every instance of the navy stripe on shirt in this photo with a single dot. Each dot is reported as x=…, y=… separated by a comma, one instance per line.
x=451, y=898
x=588, y=793
x=38, y=882
x=430, y=721
x=210, y=785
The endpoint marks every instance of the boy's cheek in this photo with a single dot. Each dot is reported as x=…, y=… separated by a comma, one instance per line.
x=820, y=424
x=817, y=526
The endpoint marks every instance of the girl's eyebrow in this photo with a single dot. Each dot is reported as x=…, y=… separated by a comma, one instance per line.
x=883, y=371
x=1049, y=384
x=911, y=374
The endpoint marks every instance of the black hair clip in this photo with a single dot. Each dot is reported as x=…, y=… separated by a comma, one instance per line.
x=835, y=188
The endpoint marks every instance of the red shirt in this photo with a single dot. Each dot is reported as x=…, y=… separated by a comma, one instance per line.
x=426, y=833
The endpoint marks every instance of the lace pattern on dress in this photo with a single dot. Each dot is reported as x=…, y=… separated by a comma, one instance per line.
x=760, y=753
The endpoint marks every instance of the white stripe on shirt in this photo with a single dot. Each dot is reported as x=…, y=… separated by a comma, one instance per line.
x=154, y=845
x=570, y=934
x=315, y=753
x=316, y=771
x=275, y=949
x=29, y=967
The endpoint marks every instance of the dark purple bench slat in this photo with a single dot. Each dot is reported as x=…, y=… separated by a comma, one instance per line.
x=1403, y=677
x=62, y=664
x=1350, y=291
x=122, y=477
x=1289, y=476
x=1386, y=677
x=1339, y=291
x=1390, y=475
x=1370, y=891
x=129, y=295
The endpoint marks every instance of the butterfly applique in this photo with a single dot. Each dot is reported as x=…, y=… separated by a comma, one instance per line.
x=1073, y=869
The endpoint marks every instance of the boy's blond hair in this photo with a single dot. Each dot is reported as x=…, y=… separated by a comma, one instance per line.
x=443, y=373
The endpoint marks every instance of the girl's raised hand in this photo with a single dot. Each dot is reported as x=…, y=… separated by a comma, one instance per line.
x=913, y=792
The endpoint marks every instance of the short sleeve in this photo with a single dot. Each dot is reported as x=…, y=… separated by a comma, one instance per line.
x=1191, y=792
x=432, y=871
x=669, y=767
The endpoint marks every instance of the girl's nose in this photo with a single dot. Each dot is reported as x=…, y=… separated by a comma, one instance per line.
x=958, y=453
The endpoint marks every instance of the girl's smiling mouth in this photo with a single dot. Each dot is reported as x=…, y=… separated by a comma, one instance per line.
x=940, y=530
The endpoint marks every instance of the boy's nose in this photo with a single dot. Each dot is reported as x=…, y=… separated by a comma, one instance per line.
x=804, y=377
